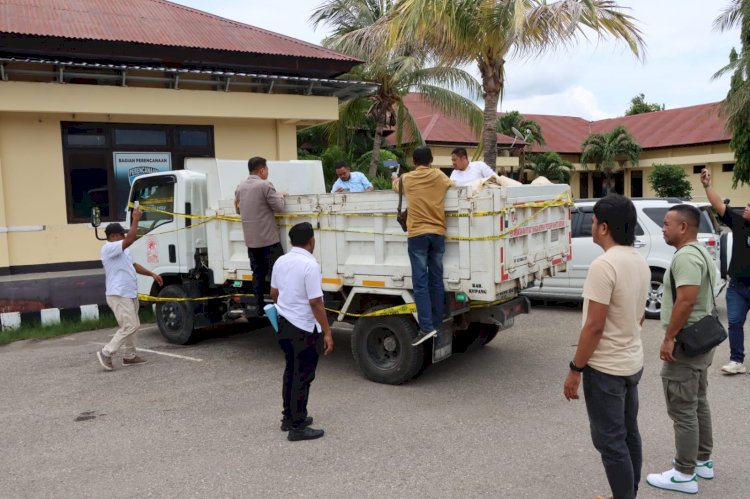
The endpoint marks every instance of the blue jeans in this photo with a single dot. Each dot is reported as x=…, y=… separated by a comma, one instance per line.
x=426, y=256
x=738, y=303
x=612, y=406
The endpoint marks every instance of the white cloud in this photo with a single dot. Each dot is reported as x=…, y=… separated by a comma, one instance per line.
x=683, y=51
x=572, y=101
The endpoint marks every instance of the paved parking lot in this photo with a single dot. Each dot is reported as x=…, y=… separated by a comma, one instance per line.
x=202, y=421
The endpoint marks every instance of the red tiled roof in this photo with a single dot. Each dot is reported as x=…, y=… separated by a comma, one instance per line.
x=683, y=126
x=155, y=22
x=562, y=134
x=436, y=127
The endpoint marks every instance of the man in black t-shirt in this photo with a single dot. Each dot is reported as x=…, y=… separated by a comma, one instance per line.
x=738, y=290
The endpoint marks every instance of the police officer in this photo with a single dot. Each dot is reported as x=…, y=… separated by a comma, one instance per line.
x=296, y=290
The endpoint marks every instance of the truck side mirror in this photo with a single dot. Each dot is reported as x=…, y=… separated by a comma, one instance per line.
x=96, y=216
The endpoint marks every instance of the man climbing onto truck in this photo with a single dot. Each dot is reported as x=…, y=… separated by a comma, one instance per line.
x=424, y=190
x=257, y=201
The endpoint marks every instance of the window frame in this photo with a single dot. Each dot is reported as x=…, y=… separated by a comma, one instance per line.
x=177, y=153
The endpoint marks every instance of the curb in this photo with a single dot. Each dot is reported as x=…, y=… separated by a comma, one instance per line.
x=50, y=316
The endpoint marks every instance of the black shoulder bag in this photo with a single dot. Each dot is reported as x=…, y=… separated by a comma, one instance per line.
x=702, y=336
x=401, y=215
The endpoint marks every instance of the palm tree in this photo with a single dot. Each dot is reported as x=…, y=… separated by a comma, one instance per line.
x=397, y=68
x=550, y=165
x=609, y=152
x=489, y=31
x=530, y=129
x=736, y=106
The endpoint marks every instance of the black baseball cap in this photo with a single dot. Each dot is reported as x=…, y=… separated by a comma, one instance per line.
x=114, y=228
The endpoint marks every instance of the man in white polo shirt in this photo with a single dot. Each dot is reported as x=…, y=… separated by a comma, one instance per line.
x=465, y=172
x=122, y=291
x=296, y=290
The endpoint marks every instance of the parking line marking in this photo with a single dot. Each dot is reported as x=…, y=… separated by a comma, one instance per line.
x=183, y=357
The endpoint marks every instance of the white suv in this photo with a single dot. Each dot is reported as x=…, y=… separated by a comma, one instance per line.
x=649, y=241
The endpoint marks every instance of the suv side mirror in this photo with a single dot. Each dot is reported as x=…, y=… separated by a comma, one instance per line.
x=96, y=216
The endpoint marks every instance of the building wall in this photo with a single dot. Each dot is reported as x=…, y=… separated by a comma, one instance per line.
x=712, y=156
x=32, y=176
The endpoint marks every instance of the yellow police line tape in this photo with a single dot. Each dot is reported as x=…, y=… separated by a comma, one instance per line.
x=563, y=199
x=403, y=309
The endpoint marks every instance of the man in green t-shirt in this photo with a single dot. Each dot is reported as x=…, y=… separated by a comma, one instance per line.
x=685, y=378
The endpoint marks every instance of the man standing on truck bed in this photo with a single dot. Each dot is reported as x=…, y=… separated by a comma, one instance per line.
x=349, y=181
x=424, y=190
x=465, y=171
x=256, y=200
x=122, y=291
x=296, y=290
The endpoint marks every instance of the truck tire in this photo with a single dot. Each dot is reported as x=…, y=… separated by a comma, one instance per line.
x=175, y=318
x=480, y=334
x=655, y=293
x=487, y=333
x=381, y=347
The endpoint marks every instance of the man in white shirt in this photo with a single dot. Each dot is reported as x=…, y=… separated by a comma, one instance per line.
x=349, y=181
x=122, y=291
x=298, y=295
x=465, y=172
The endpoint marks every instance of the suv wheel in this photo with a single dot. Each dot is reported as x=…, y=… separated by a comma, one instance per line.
x=655, y=293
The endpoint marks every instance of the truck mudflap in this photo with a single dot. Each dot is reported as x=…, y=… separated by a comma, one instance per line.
x=501, y=315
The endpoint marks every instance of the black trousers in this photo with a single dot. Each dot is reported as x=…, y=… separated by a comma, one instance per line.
x=301, y=350
x=612, y=405
x=262, y=261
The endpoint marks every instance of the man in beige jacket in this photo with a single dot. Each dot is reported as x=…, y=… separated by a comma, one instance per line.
x=257, y=201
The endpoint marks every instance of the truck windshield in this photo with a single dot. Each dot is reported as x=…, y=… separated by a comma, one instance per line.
x=155, y=195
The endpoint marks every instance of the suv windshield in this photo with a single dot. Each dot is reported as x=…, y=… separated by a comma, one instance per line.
x=154, y=193
x=657, y=215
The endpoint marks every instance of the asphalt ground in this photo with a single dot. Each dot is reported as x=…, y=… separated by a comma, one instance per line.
x=203, y=421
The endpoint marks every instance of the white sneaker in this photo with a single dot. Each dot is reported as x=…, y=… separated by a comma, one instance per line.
x=734, y=368
x=674, y=480
x=705, y=469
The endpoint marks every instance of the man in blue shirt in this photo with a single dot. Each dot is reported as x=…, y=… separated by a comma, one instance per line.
x=350, y=181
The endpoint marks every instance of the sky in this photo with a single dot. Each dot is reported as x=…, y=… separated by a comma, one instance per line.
x=594, y=79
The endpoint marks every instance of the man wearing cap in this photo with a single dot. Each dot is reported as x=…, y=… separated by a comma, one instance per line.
x=296, y=290
x=122, y=291
x=256, y=200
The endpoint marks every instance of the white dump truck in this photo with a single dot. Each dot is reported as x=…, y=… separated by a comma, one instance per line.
x=499, y=240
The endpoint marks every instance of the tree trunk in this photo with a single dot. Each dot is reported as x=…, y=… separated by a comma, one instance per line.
x=491, y=70
x=376, y=142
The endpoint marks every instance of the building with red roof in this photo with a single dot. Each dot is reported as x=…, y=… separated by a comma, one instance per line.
x=86, y=83
x=693, y=137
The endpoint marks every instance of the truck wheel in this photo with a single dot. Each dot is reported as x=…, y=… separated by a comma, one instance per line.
x=483, y=333
x=381, y=347
x=463, y=340
x=175, y=318
x=655, y=292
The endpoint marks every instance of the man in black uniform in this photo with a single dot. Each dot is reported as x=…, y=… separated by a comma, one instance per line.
x=738, y=290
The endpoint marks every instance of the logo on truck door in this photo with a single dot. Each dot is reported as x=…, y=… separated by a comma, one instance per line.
x=152, y=250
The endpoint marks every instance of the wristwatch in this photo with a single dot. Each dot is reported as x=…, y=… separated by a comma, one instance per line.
x=575, y=368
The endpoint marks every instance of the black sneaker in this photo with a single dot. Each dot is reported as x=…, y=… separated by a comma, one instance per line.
x=105, y=360
x=304, y=434
x=286, y=425
x=422, y=337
